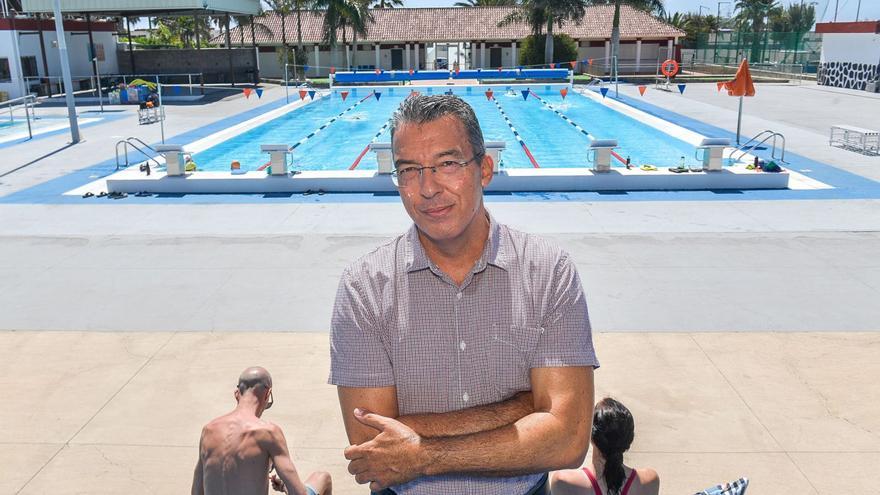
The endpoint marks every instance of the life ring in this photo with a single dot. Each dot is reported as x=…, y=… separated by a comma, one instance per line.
x=667, y=70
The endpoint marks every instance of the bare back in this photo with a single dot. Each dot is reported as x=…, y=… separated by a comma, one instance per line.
x=234, y=455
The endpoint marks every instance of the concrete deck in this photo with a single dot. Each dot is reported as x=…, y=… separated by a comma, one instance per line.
x=111, y=359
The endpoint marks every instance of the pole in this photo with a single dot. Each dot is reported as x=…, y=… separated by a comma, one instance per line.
x=65, y=72
x=161, y=109
x=286, y=89
x=130, y=47
x=48, y=82
x=858, y=9
x=100, y=90
x=739, y=119
x=836, y=2
x=616, y=80
x=17, y=56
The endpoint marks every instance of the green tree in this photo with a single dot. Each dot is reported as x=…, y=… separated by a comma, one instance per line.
x=361, y=16
x=485, y=3
x=654, y=7
x=750, y=15
x=532, y=50
x=544, y=15
x=386, y=4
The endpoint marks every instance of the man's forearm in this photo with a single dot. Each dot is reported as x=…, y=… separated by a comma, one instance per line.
x=539, y=442
x=471, y=420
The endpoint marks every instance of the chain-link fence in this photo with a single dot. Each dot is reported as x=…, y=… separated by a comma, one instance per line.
x=766, y=48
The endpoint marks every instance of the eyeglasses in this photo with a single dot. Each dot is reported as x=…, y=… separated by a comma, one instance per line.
x=270, y=402
x=407, y=176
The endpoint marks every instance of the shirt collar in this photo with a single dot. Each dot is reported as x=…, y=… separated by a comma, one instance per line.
x=495, y=253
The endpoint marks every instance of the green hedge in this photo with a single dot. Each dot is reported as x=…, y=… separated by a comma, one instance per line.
x=532, y=53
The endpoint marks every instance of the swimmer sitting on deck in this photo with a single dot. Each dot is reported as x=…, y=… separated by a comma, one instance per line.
x=237, y=450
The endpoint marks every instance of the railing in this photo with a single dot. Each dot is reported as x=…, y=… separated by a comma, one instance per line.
x=27, y=102
x=102, y=81
x=136, y=144
x=759, y=139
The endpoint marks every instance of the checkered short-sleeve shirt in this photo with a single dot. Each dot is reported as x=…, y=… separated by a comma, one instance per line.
x=399, y=321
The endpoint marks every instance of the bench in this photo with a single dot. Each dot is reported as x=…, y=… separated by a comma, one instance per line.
x=866, y=141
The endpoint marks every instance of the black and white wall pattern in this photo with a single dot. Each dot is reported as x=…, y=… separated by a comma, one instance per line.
x=847, y=74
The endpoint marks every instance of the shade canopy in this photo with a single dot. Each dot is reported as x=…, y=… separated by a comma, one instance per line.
x=133, y=8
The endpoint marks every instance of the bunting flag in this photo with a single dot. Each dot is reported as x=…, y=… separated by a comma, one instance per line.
x=259, y=92
x=377, y=95
x=589, y=61
x=378, y=71
x=413, y=93
x=681, y=88
x=333, y=70
x=343, y=94
x=563, y=92
x=312, y=95
x=499, y=69
x=574, y=64
x=411, y=72
x=552, y=65
x=525, y=94
x=305, y=68
x=720, y=85
x=176, y=90
x=604, y=91
x=642, y=90
x=450, y=93
x=302, y=94
x=457, y=71
x=489, y=94
x=247, y=92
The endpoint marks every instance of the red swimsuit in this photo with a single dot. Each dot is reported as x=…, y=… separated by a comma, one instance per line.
x=598, y=491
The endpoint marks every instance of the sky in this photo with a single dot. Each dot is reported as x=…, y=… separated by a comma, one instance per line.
x=846, y=11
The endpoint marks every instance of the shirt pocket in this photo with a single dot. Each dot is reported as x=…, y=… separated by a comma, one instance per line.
x=510, y=356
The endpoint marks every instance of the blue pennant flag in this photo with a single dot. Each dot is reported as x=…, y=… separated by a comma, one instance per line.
x=312, y=95
x=450, y=92
x=176, y=90
x=681, y=88
x=604, y=91
x=305, y=68
x=377, y=95
x=259, y=92
x=525, y=94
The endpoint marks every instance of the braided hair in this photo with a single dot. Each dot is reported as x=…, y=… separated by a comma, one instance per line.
x=613, y=432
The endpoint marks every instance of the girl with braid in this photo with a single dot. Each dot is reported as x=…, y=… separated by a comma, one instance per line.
x=613, y=431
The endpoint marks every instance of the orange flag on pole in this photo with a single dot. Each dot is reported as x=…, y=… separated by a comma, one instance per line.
x=742, y=84
x=720, y=85
x=642, y=90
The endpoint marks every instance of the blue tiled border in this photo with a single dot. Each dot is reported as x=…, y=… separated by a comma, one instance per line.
x=846, y=185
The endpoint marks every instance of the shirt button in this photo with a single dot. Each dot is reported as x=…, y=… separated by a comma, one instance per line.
x=458, y=296
x=462, y=345
x=465, y=397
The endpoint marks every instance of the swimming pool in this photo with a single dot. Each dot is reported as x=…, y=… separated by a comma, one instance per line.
x=554, y=142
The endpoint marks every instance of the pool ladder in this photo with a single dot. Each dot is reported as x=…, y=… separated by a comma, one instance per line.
x=759, y=139
x=138, y=146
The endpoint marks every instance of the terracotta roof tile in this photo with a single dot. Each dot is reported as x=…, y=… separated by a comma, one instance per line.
x=441, y=24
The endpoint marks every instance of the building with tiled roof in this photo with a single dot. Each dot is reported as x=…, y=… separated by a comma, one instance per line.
x=412, y=38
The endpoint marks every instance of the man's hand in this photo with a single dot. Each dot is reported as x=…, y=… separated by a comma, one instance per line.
x=393, y=457
x=277, y=484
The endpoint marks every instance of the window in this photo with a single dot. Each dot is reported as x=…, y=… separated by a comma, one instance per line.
x=5, y=75
x=29, y=67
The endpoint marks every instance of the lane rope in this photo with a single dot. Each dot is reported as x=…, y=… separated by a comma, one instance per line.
x=515, y=133
x=367, y=147
x=573, y=124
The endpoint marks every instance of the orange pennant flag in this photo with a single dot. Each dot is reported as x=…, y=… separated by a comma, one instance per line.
x=720, y=85
x=489, y=94
x=247, y=92
x=343, y=94
x=552, y=65
x=589, y=61
x=457, y=71
x=642, y=90
x=413, y=93
x=333, y=70
x=378, y=71
x=499, y=69
x=563, y=92
x=574, y=64
x=302, y=94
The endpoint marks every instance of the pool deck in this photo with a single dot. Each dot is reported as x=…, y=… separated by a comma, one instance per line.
x=743, y=334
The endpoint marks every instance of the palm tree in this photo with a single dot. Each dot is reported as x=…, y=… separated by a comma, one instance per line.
x=485, y=3
x=386, y=4
x=750, y=17
x=655, y=7
x=545, y=14
x=361, y=15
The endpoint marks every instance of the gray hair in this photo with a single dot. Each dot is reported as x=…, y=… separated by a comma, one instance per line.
x=418, y=109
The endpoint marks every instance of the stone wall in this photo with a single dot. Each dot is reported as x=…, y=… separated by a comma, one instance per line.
x=213, y=63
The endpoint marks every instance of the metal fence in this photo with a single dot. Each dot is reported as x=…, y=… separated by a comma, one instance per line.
x=774, y=49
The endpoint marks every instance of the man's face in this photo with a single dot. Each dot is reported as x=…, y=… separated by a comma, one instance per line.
x=441, y=204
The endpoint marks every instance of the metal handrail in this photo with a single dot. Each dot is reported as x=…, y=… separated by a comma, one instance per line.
x=763, y=136
x=27, y=101
x=131, y=141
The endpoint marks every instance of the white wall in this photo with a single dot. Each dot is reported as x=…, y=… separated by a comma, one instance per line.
x=858, y=48
x=77, y=51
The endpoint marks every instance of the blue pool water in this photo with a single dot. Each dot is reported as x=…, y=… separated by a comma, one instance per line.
x=552, y=141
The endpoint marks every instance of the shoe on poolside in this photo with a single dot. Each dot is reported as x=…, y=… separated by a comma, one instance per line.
x=678, y=170
x=648, y=168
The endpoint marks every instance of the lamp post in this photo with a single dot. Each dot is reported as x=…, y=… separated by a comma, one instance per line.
x=65, y=73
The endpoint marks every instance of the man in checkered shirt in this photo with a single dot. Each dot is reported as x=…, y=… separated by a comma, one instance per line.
x=461, y=350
